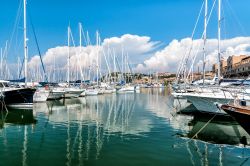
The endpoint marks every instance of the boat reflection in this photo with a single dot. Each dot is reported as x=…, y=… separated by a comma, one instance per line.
x=18, y=117
x=217, y=129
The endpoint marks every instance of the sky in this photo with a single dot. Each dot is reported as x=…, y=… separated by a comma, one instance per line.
x=164, y=22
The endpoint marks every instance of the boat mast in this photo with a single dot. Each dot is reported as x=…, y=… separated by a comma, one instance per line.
x=219, y=55
x=25, y=41
x=80, y=43
x=68, y=62
x=79, y=58
x=204, y=39
x=97, y=60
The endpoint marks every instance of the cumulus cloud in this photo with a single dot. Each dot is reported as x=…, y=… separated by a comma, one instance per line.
x=83, y=60
x=170, y=57
x=136, y=46
x=140, y=50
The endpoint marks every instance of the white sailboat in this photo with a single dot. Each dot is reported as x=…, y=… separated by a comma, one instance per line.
x=70, y=91
x=91, y=92
x=205, y=101
x=56, y=93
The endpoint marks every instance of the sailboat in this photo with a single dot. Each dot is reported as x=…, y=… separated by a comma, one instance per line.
x=205, y=97
x=127, y=87
x=70, y=91
x=95, y=89
x=18, y=97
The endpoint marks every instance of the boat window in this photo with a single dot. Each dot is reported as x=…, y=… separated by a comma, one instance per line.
x=5, y=84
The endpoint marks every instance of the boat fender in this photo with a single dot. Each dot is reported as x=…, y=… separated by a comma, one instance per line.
x=46, y=87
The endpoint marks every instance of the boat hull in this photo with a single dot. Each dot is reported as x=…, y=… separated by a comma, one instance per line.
x=242, y=117
x=91, y=92
x=208, y=105
x=72, y=93
x=55, y=94
x=19, y=98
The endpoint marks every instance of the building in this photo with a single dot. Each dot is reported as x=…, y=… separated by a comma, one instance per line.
x=233, y=63
x=242, y=68
x=234, y=66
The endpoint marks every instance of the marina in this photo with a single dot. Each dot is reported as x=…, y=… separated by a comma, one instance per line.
x=125, y=129
x=103, y=92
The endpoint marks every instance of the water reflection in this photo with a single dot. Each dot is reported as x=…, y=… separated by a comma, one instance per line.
x=220, y=141
x=92, y=120
x=220, y=130
x=22, y=118
x=117, y=129
x=17, y=117
x=114, y=113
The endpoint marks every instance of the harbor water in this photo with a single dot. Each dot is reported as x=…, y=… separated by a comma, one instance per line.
x=119, y=129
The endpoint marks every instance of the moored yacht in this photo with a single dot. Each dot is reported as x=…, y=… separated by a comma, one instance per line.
x=126, y=88
x=56, y=93
x=205, y=101
x=71, y=92
x=91, y=92
x=16, y=97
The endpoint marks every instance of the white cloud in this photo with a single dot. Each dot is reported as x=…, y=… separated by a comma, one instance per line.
x=169, y=58
x=55, y=59
x=136, y=46
x=139, y=49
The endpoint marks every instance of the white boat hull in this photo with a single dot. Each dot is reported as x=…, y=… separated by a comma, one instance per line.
x=126, y=89
x=92, y=92
x=208, y=105
x=72, y=92
x=56, y=93
x=109, y=91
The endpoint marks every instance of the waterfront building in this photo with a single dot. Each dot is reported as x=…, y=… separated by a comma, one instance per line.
x=234, y=66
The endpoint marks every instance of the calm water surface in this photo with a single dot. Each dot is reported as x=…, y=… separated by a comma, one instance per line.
x=118, y=129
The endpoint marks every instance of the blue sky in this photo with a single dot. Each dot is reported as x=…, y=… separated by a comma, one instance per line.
x=162, y=20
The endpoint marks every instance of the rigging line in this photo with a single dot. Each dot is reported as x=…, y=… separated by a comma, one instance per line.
x=17, y=42
x=129, y=65
x=116, y=60
x=224, y=24
x=84, y=37
x=203, y=127
x=195, y=135
x=199, y=44
x=236, y=18
x=196, y=23
x=88, y=39
x=37, y=45
x=201, y=38
x=18, y=15
x=77, y=55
